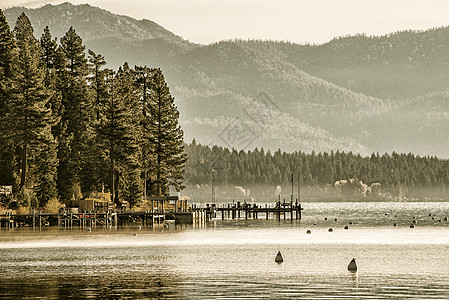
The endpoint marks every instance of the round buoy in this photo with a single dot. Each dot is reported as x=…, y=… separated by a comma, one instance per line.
x=440, y=220
x=433, y=218
x=325, y=219
x=89, y=229
x=308, y=232
x=430, y=215
x=314, y=224
x=395, y=224
x=412, y=226
x=336, y=220
x=330, y=230
x=414, y=217
x=352, y=267
x=135, y=234
x=139, y=227
x=414, y=222
x=350, y=223
x=445, y=219
x=346, y=227
x=279, y=259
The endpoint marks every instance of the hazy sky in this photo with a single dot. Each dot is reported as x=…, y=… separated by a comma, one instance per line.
x=315, y=21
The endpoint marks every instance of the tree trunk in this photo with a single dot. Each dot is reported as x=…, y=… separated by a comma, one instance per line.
x=112, y=182
x=24, y=166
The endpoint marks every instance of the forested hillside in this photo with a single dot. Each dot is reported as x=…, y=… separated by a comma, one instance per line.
x=351, y=94
x=323, y=175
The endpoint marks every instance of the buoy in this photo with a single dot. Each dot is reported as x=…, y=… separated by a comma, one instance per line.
x=135, y=234
x=352, y=267
x=445, y=219
x=336, y=219
x=314, y=224
x=325, y=219
x=430, y=215
x=308, y=232
x=330, y=230
x=139, y=227
x=439, y=220
x=346, y=227
x=89, y=229
x=412, y=226
x=433, y=218
x=350, y=223
x=414, y=222
x=279, y=259
x=395, y=224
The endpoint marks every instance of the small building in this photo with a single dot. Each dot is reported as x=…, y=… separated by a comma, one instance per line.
x=97, y=202
x=164, y=204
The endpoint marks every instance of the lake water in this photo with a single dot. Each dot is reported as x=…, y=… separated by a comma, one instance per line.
x=234, y=259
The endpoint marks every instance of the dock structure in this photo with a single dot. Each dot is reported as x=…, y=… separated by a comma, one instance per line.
x=84, y=220
x=291, y=210
x=166, y=210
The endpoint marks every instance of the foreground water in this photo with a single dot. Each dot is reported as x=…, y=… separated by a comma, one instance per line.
x=235, y=259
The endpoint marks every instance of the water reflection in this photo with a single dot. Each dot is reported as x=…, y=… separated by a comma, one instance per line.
x=235, y=258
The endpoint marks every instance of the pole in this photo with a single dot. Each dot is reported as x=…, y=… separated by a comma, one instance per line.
x=292, y=189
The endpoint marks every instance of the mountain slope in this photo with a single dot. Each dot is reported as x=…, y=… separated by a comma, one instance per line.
x=353, y=93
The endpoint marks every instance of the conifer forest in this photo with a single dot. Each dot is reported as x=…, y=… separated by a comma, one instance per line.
x=70, y=127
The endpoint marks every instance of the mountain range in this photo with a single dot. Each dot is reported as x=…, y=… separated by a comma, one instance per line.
x=355, y=93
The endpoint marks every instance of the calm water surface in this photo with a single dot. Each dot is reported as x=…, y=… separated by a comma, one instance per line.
x=235, y=259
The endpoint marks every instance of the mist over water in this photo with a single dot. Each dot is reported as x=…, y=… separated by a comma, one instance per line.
x=235, y=258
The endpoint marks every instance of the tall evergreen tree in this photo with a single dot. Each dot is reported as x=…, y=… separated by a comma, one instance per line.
x=142, y=80
x=166, y=137
x=31, y=116
x=97, y=80
x=8, y=54
x=119, y=132
x=77, y=115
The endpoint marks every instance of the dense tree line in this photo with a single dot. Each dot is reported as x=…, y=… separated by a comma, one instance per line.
x=70, y=127
x=392, y=171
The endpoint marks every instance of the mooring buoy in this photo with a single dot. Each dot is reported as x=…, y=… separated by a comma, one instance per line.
x=346, y=227
x=308, y=232
x=279, y=259
x=330, y=230
x=139, y=227
x=352, y=267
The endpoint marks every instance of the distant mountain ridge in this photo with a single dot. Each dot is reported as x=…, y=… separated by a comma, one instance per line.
x=358, y=93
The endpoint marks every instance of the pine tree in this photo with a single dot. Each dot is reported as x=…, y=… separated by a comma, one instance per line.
x=166, y=136
x=29, y=111
x=119, y=132
x=96, y=62
x=77, y=114
x=8, y=54
x=142, y=82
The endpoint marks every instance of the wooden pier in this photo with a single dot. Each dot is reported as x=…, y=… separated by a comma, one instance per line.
x=291, y=210
x=197, y=216
x=91, y=220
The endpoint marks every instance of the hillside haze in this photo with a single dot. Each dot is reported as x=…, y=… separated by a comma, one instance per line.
x=358, y=93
